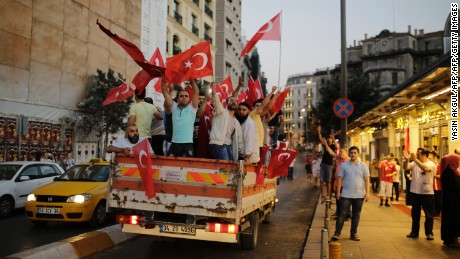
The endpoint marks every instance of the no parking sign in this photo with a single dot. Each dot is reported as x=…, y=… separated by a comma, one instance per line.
x=343, y=108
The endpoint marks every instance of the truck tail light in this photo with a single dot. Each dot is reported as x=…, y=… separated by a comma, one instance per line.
x=222, y=228
x=129, y=219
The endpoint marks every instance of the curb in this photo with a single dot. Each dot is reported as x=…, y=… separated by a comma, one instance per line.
x=79, y=246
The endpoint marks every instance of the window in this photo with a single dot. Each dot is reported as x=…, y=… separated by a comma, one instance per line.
x=48, y=170
x=228, y=67
x=228, y=24
x=394, y=76
x=32, y=172
x=228, y=45
x=195, y=29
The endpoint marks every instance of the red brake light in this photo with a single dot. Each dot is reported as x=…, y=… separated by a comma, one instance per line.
x=222, y=228
x=129, y=219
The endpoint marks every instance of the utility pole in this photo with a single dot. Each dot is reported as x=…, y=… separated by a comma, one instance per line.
x=343, y=81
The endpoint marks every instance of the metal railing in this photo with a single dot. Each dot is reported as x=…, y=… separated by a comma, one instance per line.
x=195, y=30
x=208, y=11
x=178, y=17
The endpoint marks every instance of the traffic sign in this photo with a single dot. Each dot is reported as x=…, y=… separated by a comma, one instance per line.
x=343, y=108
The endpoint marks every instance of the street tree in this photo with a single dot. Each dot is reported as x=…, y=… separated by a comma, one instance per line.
x=102, y=119
x=363, y=94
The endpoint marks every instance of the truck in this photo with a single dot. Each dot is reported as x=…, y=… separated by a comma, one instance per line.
x=195, y=198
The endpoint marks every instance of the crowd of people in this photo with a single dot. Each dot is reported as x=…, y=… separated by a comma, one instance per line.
x=199, y=124
x=433, y=186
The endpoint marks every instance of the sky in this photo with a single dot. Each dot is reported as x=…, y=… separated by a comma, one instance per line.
x=310, y=30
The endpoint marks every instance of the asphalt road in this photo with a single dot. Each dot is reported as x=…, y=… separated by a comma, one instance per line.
x=18, y=234
x=284, y=237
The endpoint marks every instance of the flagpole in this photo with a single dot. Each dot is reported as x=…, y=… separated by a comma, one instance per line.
x=281, y=38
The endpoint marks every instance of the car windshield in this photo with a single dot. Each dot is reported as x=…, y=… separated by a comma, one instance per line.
x=91, y=173
x=7, y=172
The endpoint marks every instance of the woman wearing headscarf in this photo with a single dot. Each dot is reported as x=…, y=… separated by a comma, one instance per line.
x=450, y=217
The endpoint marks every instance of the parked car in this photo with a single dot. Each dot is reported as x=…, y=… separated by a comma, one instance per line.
x=18, y=179
x=79, y=195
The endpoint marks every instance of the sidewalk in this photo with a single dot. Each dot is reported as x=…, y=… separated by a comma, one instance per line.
x=383, y=234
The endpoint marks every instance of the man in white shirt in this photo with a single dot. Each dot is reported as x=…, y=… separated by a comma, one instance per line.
x=250, y=134
x=421, y=189
x=125, y=145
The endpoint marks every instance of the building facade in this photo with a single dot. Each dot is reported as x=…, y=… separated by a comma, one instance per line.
x=228, y=40
x=190, y=22
x=298, y=104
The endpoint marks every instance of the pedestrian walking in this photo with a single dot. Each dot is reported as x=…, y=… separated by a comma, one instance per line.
x=352, y=190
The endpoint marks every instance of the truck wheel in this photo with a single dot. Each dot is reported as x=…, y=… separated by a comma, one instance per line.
x=249, y=241
x=6, y=207
x=99, y=215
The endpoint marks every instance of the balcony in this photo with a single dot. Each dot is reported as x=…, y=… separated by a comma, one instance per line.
x=195, y=30
x=207, y=37
x=208, y=11
x=178, y=17
x=176, y=50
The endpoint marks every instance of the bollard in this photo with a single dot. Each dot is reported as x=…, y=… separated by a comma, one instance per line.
x=324, y=243
x=335, y=250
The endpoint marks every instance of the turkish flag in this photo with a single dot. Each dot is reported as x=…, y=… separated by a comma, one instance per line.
x=282, y=145
x=193, y=63
x=134, y=52
x=204, y=131
x=119, y=93
x=269, y=31
x=279, y=162
x=189, y=90
x=260, y=167
x=278, y=103
x=254, y=91
x=242, y=97
x=141, y=153
x=227, y=86
x=142, y=78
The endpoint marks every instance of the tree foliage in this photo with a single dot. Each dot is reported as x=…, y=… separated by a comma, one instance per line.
x=102, y=119
x=363, y=94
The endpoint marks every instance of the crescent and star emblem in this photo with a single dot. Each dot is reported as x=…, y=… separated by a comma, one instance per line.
x=127, y=89
x=269, y=27
x=205, y=60
x=141, y=154
x=222, y=86
x=287, y=155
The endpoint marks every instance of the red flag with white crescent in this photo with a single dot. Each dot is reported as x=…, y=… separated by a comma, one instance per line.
x=227, y=86
x=279, y=162
x=254, y=91
x=193, y=63
x=141, y=152
x=119, y=93
x=242, y=97
x=142, y=78
x=260, y=178
x=279, y=101
x=269, y=31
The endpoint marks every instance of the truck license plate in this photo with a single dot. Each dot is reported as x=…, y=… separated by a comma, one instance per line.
x=185, y=230
x=48, y=210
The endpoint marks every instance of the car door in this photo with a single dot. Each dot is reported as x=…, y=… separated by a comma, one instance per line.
x=24, y=187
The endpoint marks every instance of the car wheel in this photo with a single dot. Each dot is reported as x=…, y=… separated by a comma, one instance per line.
x=99, y=215
x=6, y=207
